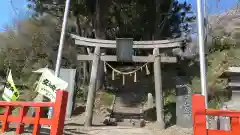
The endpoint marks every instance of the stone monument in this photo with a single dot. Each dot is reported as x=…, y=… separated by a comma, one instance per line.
x=183, y=103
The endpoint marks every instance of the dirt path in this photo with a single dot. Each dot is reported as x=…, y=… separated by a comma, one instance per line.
x=74, y=126
x=120, y=130
x=116, y=131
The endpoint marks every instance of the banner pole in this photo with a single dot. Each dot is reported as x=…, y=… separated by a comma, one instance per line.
x=6, y=79
x=201, y=51
x=60, y=48
x=201, y=42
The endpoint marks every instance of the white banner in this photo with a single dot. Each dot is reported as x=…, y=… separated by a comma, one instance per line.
x=7, y=94
x=49, y=83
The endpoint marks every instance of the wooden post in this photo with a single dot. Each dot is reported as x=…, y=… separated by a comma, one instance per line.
x=37, y=127
x=59, y=112
x=158, y=89
x=92, y=88
x=235, y=124
x=5, y=123
x=20, y=127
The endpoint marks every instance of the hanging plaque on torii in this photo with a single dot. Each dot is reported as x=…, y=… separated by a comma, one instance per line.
x=124, y=49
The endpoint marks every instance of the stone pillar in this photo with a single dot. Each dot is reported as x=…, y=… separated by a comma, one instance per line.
x=213, y=122
x=183, y=103
x=158, y=89
x=150, y=103
x=92, y=88
x=100, y=76
x=224, y=121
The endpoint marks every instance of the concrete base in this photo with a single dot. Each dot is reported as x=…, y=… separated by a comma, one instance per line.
x=159, y=125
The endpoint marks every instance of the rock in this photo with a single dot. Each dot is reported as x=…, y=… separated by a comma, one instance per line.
x=142, y=123
x=106, y=120
x=132, y=122
x=110, y=121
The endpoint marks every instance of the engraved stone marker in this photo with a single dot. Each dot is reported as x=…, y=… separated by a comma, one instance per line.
x=183, y=103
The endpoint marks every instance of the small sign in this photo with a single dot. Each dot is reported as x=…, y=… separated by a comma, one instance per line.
x=124, y=48
x=48, y=84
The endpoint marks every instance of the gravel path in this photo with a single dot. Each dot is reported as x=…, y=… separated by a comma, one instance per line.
x=116, y=131
x=74, y=126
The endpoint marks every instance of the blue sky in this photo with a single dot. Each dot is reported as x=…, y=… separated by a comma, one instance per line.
x=18, y=9
x=213, y=6
x=10, y=12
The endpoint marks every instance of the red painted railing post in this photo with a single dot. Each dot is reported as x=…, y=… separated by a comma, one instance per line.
x=7, y=112
x=59, y=113
x=20, y=127
x=235, y=126
x=199, y=115
x=36, y=128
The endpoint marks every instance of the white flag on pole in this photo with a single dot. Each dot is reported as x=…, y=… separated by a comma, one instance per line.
x=10, y=93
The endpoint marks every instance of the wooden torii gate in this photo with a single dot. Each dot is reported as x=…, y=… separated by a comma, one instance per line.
x=156, y=58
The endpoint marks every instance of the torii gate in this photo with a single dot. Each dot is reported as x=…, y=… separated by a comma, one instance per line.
x=156, y=58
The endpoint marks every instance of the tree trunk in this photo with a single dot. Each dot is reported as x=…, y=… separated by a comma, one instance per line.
x=99, y=26
x=165, y=18
x=78, y=27
x=101, y=11
x=157, y=19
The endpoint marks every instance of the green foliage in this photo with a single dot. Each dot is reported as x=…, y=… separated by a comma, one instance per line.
x=32, y=45
x=223, y=54
x=110, y=19
x=27, y=50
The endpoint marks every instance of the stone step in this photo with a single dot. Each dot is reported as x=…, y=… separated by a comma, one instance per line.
x=121, y=116
x=130, y=123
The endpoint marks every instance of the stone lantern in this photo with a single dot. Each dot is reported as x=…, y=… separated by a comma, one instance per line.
x=233, y=76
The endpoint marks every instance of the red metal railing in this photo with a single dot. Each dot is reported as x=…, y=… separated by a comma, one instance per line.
x=56, y=122
x=199, y=113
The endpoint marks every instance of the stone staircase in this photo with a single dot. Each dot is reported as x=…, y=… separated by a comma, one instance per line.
x=127, y=115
